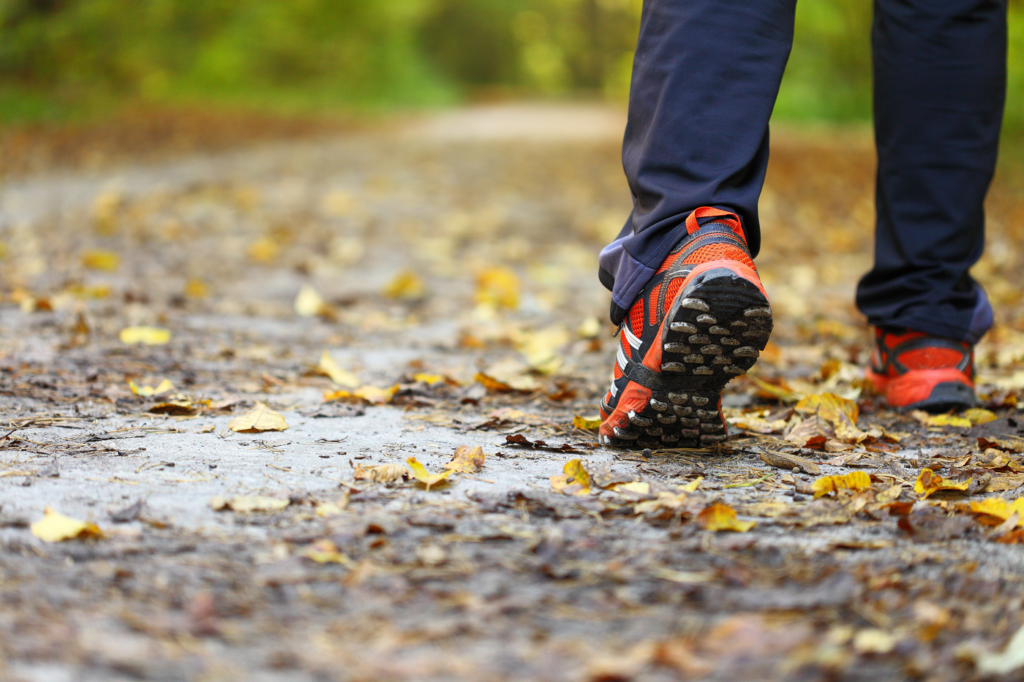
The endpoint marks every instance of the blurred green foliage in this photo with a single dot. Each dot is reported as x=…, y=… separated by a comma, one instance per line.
x=65, y=58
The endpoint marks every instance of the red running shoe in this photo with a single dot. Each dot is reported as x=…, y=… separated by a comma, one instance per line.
x=916, y=371
x=701, y=320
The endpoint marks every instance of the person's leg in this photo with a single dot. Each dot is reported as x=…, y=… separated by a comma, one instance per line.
x=940, y=84
x=705, y=78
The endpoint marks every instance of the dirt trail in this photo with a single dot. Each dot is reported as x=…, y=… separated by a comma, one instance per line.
x=451, y=265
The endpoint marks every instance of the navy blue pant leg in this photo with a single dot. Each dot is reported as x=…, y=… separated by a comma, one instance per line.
x=940, y=86
x=705, y=78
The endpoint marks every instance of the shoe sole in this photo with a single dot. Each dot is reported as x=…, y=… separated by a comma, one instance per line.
x=714, y=331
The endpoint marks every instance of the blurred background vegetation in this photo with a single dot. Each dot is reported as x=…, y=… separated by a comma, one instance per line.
x=71, y=59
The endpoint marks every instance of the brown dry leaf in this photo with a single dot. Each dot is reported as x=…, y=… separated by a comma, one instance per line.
x=467, y=460
x=55, y=527
x=177, y=408
x=1007, y=443
x=856, y=480
x=928, y=483
x=756, y=424
x=812, y=433
x=829, y=407
x=246, y=504
x=574, y=480
x=328, y=367
x=1001, y=484
x=257, y=420
x=721, y=517
x=380, y=473
x=787, y=461
x=420, y=473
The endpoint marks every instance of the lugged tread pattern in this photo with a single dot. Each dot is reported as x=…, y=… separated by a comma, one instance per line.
x=714, y=331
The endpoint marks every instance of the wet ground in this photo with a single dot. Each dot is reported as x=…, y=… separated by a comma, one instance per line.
x=449, y=264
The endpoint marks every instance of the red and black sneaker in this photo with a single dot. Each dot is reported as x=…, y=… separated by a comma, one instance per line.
x=701, y=320
x=916, y=371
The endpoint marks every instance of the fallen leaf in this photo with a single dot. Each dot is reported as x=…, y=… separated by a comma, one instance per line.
x=928, y=483
x=520, y=439
x=326, y=552
x=947, y=420
x=149, y=336
x=787, y=461
x=587, y=423
x=263, y=250
x=780, y=391
x=995, y=510
x=540, y=348
x=721, y=517
x=420, y=473
x=1002, y=484
x=196, y=288
x=178, y=408
x=574, y=480
x=812, y=433
x=498, y=288
x=380, y=473
x=589, y=328
x=466, y=460
x=245, y=504
x=328, y=367
x=1009, y=444
x=829, y=407
x=308, y=302
x=856, y=480
x=1006, y=662
x=149, y=391
x=55, y=527
x=431, y=379
x=976, y=416
x=636, y=487
x=664, y=502
x=406, y=285
x=107, y=261
x=257, y=420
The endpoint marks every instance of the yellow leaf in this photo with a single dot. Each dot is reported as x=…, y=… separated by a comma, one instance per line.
x=308, y=302
x=781, y=392
x=948, y=420
x=498, y=287
x=692, y=485
x=326, y=552
x=149, y=391
x=466, y=460
x=492, y=384
x=420, y=473
x=856, y=480
x=1000, y=509
x=328, y=367
x=638, y=487
x=976, y=415
x=829, y=407
x=574, y=480
x=328, y=509
x=149, y=336
x=196, y=288
x=377, y=396
x=665, y=502
x=541, y=348
x=429, y=379
x=929, y=482
x=590, y=328
x=379, y=473
x=263, y=250
x=55, y=527
x=719, y=517
x=246, y=504
x=108, y=261
x=587, y=423
x=405, y=285
x=257, y=420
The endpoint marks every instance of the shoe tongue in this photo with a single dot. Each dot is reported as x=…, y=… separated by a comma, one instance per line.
x=706, y=215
